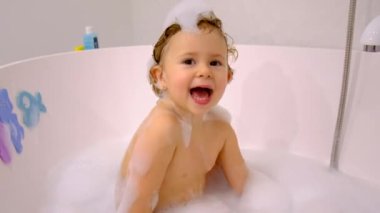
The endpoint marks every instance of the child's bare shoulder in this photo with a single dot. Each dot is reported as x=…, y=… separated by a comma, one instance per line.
x=220, y=120
x=162, y=122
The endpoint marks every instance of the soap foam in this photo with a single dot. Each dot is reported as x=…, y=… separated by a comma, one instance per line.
x=85, y=182
x=187, y=13
x=278, y=183
x=126, y=191
x=186, y=132
x=218, y=113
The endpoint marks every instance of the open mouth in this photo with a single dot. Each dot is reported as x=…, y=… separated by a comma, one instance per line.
x=201, y=95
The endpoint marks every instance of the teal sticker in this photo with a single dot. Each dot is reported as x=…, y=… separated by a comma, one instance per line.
x=31, y=106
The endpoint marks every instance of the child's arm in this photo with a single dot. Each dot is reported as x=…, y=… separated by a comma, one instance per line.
x=151, y=155
x=232, y=163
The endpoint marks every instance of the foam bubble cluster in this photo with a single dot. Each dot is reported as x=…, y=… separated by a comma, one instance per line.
x=278, y=183
x=187, y=13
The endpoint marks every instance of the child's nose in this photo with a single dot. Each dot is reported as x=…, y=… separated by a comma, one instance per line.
x=204, y=71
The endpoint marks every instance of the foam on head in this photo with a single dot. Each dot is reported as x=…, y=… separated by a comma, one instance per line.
x=187, y=13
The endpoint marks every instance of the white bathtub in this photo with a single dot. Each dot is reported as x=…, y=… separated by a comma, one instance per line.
x=283, y=102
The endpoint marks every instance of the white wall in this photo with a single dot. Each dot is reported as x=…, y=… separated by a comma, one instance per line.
x=40, y=27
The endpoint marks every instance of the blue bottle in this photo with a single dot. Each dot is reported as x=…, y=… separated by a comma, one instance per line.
x=90, y=39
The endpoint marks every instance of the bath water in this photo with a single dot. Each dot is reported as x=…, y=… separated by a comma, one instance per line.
x=278, y=183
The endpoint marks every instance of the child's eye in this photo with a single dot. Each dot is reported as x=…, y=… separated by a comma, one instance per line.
x=189, y=61
x=215, y=63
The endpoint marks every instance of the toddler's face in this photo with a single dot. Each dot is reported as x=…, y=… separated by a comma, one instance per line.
x=195, y=70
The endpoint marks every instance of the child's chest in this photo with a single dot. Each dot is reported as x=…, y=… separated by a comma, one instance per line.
x=200, y=154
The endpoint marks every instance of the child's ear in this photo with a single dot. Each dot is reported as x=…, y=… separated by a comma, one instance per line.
x=230, y=74
x=157, y=74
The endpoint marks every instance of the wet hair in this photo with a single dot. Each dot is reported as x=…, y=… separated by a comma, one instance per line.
x=205, y=23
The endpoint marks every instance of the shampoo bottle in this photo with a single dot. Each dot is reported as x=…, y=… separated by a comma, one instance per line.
x=90, y=39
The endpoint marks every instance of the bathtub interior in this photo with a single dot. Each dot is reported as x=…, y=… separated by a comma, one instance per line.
x=282, y=99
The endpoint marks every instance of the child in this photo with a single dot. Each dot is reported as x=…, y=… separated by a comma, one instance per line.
x=186, y=135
